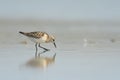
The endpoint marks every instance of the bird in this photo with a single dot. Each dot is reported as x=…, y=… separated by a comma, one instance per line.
x=39, y=37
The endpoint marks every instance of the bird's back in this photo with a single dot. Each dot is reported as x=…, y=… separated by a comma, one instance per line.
x=36, y=34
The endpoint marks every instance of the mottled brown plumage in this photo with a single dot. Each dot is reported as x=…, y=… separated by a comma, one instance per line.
x=37, y=34
x=39, y=37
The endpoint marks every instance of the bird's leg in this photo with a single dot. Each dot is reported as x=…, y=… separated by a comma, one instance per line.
x=36, y=50
x=43, y=48
x=41, y=53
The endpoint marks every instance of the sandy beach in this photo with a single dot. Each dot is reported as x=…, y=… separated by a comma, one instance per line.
x=86, y=53
x=87, y=35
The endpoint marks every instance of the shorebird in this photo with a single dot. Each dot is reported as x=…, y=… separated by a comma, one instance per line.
x=38, y=38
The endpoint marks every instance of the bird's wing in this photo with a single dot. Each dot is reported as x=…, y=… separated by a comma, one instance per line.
x=35, y=34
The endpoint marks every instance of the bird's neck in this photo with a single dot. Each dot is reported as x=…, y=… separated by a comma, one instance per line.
x=49, y=39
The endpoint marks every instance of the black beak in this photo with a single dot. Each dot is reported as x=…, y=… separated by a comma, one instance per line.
x=55, y=45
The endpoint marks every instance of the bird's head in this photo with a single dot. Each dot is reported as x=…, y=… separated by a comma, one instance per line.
x=53, y=41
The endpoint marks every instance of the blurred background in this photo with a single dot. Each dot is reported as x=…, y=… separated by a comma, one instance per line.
x=64, y=10
x=87, y=39
x=80, y=18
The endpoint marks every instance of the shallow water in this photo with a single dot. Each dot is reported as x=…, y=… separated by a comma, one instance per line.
x=80, y=54
x=18, y=62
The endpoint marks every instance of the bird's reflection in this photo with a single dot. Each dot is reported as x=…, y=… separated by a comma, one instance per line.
x=41, y=61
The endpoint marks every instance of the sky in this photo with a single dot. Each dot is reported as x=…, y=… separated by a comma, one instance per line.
x=60, y=9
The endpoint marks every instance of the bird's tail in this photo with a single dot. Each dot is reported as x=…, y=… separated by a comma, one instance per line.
x=22, y=33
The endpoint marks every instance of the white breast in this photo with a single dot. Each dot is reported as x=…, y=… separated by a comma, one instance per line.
x=39, y=40
x=44, y=38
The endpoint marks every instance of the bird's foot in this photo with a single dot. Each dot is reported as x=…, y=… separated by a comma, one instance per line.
x=46, y=49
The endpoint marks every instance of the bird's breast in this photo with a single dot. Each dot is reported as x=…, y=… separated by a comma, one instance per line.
x=41, y=39
x=37, y=40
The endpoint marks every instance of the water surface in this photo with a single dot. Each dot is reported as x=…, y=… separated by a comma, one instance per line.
x=86, y=55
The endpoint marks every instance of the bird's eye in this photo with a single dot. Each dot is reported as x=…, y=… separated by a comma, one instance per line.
x=53, y=39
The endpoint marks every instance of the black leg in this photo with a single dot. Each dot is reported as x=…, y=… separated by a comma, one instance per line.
x=36, y=50
x=43, y=48
x=41, y=53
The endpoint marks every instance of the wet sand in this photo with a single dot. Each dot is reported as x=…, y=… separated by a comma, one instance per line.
x=77, y=56
x=86, y=63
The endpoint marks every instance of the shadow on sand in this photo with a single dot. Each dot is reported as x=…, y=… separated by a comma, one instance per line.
x=41, y=61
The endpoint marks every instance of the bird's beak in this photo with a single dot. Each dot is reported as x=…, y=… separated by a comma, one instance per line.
x=55, y=45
